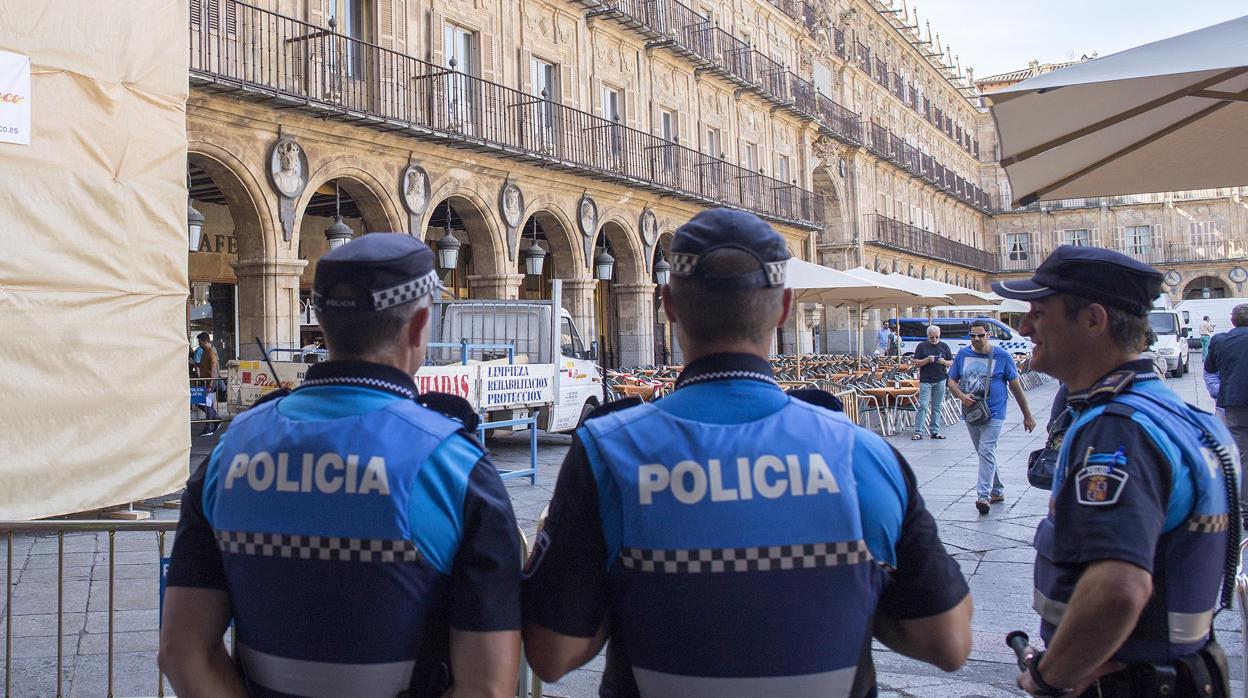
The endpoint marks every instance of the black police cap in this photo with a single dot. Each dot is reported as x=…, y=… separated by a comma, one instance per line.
x=374, y=272
x=723, y=228
x=1100, y=275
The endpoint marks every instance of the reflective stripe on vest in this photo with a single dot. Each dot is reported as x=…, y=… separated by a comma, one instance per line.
x=735, y=551
x=331, y=589
x=1178, y=617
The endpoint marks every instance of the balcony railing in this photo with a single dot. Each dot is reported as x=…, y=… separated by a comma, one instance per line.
x=838, y=43
x=1158, y=254
x=839, y=120
x=274, y=58
x=1000, y=205
x=885, y=144
x=895, y=235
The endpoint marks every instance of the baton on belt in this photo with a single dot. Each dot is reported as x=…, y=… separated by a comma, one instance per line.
x=1018, y=641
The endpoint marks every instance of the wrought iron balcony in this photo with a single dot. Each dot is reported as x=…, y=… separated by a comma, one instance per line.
x=885, y=144
x=272, y=58
x=839, y=45
x=895, y=235
x=1000, y=205
x=1156, y=254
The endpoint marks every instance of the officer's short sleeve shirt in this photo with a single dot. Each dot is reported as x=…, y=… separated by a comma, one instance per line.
x=484, y=571
x=1119, y=517
x=566, y=588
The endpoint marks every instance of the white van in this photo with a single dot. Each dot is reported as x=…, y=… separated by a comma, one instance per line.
x=1193, y=311
x=955, y=332
x=1171, y=343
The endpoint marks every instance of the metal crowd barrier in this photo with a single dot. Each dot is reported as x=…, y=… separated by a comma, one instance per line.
x=529, y=686
x=60, y=528
x=218, y=405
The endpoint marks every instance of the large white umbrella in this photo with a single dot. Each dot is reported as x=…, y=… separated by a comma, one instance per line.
x=1167, y=116
x=962, y=295
x=927, y=294
x=815, y=283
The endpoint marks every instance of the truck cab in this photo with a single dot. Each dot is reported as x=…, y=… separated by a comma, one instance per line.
x=1171, y=343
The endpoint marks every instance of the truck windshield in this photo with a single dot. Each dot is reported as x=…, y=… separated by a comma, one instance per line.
x=1163, y=323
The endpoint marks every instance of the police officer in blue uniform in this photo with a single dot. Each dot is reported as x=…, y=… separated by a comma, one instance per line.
x=1143, y=524
x=361, y=543
x=730, y=539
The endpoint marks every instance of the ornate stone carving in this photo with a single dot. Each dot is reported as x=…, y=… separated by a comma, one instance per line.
x=511, y=204
x=587, y=216
x=649, y=227
x=414, y=186
x=804, y=65
x=828, y=150
x=288, y=168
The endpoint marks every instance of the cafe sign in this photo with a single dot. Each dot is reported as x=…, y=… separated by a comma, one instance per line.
x=14, y=98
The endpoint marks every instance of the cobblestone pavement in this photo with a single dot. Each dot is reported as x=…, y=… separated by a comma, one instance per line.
x=994, y=551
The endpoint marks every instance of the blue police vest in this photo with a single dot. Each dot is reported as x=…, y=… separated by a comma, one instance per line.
x=1188, y=565
x=736, y=552
x=333, y=587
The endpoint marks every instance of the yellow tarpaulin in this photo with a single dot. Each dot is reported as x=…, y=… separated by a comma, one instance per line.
x=93, y=379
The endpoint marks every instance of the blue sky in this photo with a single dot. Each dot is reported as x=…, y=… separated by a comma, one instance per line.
x=996, y=36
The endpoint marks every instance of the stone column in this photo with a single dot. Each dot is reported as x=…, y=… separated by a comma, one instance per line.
x=495, y=286
x=636, y=323
x=578, y=300
x=796, y=336
x=268, y=303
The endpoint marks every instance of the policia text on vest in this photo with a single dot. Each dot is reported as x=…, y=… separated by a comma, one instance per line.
x=325, y=473
x=768, y=477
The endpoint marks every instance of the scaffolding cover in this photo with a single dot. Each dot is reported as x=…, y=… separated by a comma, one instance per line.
x=93, y=379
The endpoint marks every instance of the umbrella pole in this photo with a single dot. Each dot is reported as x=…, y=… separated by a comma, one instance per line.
x=860, y=319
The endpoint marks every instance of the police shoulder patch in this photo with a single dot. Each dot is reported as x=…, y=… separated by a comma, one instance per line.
x=1100, y=485
x=613, y=406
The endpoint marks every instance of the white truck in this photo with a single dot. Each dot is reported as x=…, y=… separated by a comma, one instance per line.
x=1171, y=343
x=510, y=359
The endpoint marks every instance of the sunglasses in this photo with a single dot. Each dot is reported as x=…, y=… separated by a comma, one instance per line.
x=977, y=336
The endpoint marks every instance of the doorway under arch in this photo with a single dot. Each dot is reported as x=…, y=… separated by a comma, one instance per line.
x=1206, y=287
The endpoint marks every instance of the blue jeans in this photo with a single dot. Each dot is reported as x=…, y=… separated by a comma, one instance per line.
x=985, y=438
x=1204, y=346
x=931, y=397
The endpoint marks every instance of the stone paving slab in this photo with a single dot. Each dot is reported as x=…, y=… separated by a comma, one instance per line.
x=994, y=552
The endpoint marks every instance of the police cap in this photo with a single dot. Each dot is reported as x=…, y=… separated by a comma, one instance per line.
x=374, y=272
x=723, y=228
x=1100, y=275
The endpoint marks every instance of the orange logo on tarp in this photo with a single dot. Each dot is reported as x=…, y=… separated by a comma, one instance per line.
x=11, y=98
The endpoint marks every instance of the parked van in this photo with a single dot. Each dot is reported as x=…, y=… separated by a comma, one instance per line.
x=955, y=331
x=1171, y=343
x=1192, y=312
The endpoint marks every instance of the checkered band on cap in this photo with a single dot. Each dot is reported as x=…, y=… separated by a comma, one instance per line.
x=405, y=292
x=775, y=272
x=763, y=559
x=1204, y=523
x=332, y=548
x=683, y=263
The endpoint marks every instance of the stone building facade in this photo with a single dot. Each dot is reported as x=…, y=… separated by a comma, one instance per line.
x=590, y=129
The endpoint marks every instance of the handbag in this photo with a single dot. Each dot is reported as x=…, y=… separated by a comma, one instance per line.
x=1042, y=462
x=979, y=413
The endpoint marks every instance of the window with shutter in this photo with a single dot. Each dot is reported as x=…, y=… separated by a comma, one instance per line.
x=1018, y=247
x=567, y=79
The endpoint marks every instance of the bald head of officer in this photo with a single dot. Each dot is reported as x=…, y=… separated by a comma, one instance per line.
x=727, y=289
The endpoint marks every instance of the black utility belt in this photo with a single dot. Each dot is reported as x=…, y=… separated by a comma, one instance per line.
x=1202, y=674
